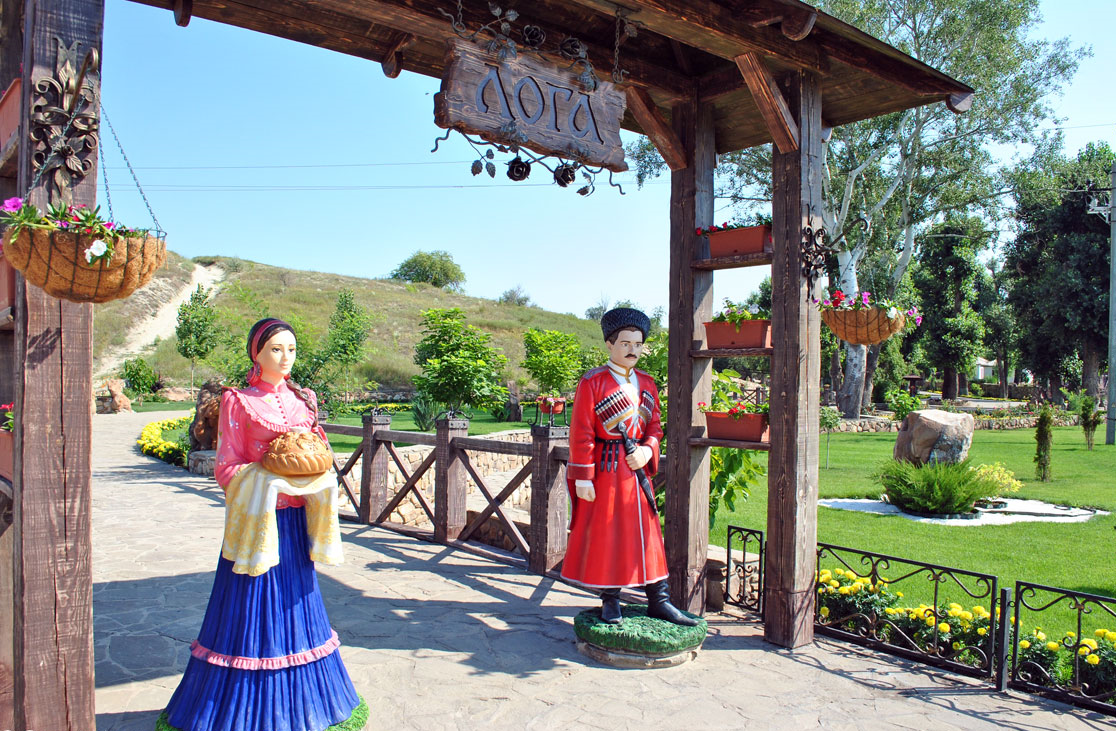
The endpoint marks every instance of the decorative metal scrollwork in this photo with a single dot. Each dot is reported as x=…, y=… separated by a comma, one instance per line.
x=64, y=121
x=816, y=248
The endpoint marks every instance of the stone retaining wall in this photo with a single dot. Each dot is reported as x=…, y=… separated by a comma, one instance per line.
x=876, y=424
x=410, y=512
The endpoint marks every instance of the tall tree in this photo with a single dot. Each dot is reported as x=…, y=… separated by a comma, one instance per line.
x=946, y=276
x=197, y=330
x=891, y=178
x=1058, y=263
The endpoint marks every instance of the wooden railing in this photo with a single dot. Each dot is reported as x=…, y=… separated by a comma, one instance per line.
x=545, y=544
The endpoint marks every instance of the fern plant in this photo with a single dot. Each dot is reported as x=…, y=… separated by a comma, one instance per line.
x=935, y=487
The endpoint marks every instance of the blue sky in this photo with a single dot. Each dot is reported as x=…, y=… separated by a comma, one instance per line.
x=257, y=147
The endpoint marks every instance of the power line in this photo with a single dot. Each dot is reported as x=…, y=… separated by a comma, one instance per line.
x=273, y=167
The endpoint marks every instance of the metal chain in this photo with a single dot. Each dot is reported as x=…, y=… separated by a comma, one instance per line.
x=104, y=176
x=61, y=140
x=628, y=27
x=124, y=155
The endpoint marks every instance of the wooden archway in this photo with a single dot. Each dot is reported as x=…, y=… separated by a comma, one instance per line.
x=706, y=77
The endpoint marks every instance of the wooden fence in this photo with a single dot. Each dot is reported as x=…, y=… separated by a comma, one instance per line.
x=545, y=544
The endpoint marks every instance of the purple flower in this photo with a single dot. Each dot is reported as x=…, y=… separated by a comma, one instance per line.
x=918, y=320
x=12, y=204
x=864, y=297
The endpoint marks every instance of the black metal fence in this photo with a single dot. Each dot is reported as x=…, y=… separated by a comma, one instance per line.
x=1080, y=666
x=745, y=572
x=950, y=618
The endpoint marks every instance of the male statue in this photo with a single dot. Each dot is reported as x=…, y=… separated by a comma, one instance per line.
x=615, y=539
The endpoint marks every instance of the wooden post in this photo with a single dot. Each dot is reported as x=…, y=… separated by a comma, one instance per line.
x=691, y=304
x=548, y=500
x=792, y=475
x=449, y=481
x=373, y=467
x=52, y=588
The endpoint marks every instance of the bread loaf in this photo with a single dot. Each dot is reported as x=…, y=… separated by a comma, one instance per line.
x=297, y=455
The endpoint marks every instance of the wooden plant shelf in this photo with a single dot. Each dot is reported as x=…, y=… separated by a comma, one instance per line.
x=729, y=352
x=9, y=157
x=738, y=444
x=737, y=260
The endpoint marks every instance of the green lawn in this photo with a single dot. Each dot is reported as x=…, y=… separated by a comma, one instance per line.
x=1074, y=556
x=481, y=423
x=162, y=406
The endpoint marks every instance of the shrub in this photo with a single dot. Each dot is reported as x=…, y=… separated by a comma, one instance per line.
x=1044, y=439
x=975, y=389
x=425, y=410
x=553, y=359
x=935, y=487
x=1091, y=418
x=902, y=403
x=436, y=268
x=138, y=376
x=515, y=296
x=828, y=420
x=1001, y=476
x=459, y=365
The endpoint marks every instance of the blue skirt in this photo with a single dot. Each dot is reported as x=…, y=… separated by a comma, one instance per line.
x=266, y=657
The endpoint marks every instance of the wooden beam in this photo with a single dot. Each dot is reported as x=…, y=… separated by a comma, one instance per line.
x=52, y=597
x=773, y=108
x=393, y=58
x=797, y=24
x=959, y=103
x=549, y=498
x=792, y=474
x=690, y=379
x=656, y=127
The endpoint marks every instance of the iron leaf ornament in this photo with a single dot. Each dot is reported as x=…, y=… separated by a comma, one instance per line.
x=64, y=121
x=816, y=249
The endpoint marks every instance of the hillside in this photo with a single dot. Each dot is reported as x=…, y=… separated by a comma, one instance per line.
x=307, y=299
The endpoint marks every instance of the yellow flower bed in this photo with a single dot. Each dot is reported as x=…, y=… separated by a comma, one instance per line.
x=151, y=440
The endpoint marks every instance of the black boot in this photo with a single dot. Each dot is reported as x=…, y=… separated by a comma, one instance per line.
x=610, y=606
x=658, y=605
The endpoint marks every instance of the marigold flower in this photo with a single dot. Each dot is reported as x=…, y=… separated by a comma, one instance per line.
x=1083, y=650
x=1092, y=659
x=1052, y=646
x=824, y=612
x=1024, y=644
x=1100, y=632
x=943, y=627
x=1110, y=636
x=982, y=631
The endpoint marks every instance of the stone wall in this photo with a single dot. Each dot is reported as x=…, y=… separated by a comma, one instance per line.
x=486, y=464
x=877, y=424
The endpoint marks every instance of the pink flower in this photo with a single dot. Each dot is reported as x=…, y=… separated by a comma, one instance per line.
x=864, y=296
x=12, y=205
x=918, y=320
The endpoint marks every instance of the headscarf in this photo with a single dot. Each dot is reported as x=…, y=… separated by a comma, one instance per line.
x=258, y=335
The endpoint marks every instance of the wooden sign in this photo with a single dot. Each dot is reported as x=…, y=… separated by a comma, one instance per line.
x=532, y=103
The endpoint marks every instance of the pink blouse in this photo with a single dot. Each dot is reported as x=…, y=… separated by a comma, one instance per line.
x=251, y=418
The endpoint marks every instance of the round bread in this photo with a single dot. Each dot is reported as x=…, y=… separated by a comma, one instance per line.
x=297, y=455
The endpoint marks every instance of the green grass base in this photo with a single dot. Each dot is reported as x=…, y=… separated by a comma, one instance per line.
x=356, y=720
x=638, y=633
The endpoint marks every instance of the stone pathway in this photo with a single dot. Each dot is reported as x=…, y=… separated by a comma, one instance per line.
x=441, y=639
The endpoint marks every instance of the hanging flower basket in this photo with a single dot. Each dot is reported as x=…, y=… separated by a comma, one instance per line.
x=742, y=427
x=866, y=326
x=727, y=241
x=56, y=261
x=746, y=334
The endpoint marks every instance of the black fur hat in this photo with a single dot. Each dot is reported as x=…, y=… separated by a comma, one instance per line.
x=624, y=319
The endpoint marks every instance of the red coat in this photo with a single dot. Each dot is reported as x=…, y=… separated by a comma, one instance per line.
x=615, y=540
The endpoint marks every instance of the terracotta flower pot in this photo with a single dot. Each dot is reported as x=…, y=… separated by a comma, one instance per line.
x=552, y=405
x=752, y=334
x=746, y=427
x=7, y=283
x=9, y=111
x=745, y=240
x=55, y=261
x=6, y=458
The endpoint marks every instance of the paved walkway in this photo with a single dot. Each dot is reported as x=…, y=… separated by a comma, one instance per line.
x=440, y=639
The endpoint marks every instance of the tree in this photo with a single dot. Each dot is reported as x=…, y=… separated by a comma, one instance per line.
x=999, y=325
x=515, y=296
x=1060, y=249
x=321, y=367
x=553, y=359
x=436, y=268
x=460, y=367
x=891, y=178
x=197, y=331
x=946, y=278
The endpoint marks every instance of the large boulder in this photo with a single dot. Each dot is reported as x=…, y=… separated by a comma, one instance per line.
x=175, y=394
x=934, y=436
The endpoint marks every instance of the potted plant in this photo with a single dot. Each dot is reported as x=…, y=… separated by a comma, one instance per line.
x=738, y=326
x=861, y=320
x=9, y=111
x=6, y=442
x=728, y=417
x=72, y=253
x=551, y=403
x=728, y=239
